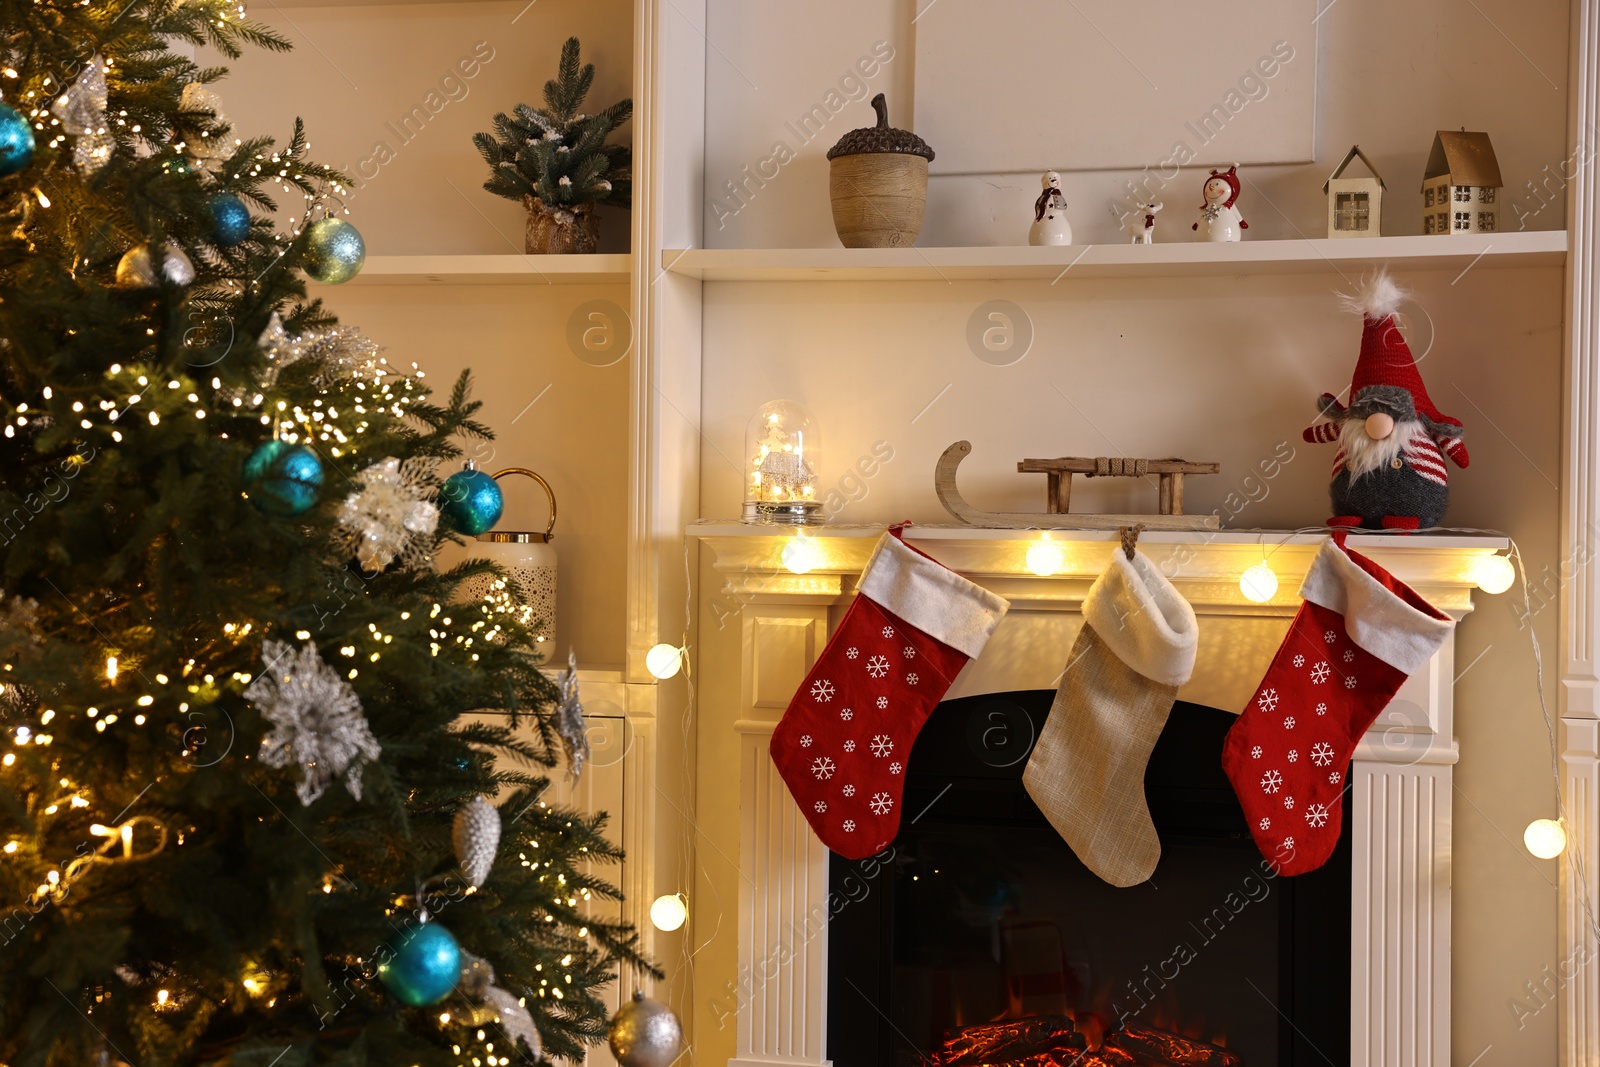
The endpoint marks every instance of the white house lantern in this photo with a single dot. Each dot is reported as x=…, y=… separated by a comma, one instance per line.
x=529, y=558
x=1461, y=185
x=1355, y=205
x=781, y=448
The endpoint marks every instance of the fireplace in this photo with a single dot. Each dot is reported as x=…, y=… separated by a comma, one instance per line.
x=979, y=913
x=770, y=997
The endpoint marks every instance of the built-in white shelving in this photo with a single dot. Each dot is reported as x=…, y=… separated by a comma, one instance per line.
x=1541, y=248
x=495, y=270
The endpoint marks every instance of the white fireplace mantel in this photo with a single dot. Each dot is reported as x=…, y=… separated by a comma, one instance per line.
x=1400, y=811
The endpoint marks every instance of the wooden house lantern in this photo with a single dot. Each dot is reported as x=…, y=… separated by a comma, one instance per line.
x=1461, y=186
x=1355, y=205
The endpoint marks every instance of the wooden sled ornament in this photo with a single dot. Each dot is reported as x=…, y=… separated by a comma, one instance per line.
x=1060, y=472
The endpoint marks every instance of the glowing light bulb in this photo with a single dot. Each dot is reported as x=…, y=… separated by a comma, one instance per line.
x=669, y=912
x=111, y=668
x=1258, y=584
x=1494, y=574
x=802, y=555
x=1046, y=557
x=663, y=661
x=1545, y=838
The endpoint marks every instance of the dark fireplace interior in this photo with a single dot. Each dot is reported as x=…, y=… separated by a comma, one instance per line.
x=979, y=938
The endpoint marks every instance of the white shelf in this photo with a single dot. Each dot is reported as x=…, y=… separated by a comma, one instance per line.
x=1541, y=248
x=495, y=270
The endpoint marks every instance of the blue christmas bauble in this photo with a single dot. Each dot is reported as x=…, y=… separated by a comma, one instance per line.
x=422, y=966
x=471, y=501
x=16, y=141
x=334, y=251
x=230, y=220
x=283, y=479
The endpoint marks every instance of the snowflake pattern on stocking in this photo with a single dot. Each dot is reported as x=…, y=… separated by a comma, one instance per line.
x=1268, y=700
x=908, y=652
x=1265, y=823
x=1271, y=782
x=1350, y=681
x=882, y=745
x=1288, y=843
x=1288, y=722
x=846, y=714
x=1329, y=636
x=1334, y=777
x=1255, y=753
x=849, y=826
x=1299, y=661
x=1349, y=655
x=911, y=679
x=1322, y=753
x=1288, y=802
x=823, y=768
x=1319, y=673
x=849, y=746
x=1322, y=709
x=888, y=631
x=820, y=807
x=852, y=653
x=805, y=740
x=1294, y=755
x=895, y=768
x=1317, y=815
x=878, y=666
x=882, y=703
x=849, y=790
x=881, y=803
x=822, y=690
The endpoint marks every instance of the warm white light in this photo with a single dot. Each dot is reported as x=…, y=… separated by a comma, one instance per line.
x=1494, y=574
x=1046, y=557
x=1258, y=584
x=111, y=668
x=669, y=912
x=1545, y=838
x=801, y=555
x=663, y=661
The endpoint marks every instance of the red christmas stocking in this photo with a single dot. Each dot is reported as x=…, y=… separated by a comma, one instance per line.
x=1360, y=633
x=842, y=744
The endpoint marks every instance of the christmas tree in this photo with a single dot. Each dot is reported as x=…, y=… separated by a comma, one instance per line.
x=244, y=720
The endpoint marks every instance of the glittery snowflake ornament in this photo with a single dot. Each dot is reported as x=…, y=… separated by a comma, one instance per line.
x=338, y=353
x=569, y=718
x=82, y=112
x=205, y=151
x=316, y=718
x=390, y=515
x=491, y=1005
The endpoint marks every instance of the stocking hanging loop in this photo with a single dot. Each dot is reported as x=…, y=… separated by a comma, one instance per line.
x=1130, y=538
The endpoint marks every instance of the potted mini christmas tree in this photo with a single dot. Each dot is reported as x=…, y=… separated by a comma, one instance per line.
x=557, y=162
x=248, y=730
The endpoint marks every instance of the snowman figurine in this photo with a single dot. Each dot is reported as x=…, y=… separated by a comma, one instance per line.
x=1050, y=225
x=1219, y=219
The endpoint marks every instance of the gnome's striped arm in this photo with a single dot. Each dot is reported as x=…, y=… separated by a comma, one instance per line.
x=1328, y=407
x=1452, y=445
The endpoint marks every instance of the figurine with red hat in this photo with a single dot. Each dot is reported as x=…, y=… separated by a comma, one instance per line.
x=1389, y=472
x=1219, y=219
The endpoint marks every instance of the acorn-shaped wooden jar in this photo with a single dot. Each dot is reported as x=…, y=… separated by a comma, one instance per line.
x=878, y=180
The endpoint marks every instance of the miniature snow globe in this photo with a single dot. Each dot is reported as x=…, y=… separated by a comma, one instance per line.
x=781, y=448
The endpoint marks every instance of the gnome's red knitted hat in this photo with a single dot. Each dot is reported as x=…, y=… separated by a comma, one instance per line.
x=1386, y=374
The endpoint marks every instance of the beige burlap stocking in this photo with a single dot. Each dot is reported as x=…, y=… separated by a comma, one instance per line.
x=1086, y=773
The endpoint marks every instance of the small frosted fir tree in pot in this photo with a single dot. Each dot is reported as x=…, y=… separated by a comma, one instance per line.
x=557, y=162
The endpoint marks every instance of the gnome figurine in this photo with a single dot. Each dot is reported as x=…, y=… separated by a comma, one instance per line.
x=1389, y=473
x=1050, y=225
x=1219, y=219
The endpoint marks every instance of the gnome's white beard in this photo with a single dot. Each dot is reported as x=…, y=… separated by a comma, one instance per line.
x=1363, y=454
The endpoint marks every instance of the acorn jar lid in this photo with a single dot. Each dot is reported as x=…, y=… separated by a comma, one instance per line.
x=881, y=138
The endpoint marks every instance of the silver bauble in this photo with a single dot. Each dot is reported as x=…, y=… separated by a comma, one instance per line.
x=645, y=1033
x=136, y=269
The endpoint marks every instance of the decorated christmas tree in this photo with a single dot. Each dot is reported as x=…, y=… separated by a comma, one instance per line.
x=246, y=725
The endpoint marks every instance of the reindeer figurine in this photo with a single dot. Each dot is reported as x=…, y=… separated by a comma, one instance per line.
x=1139, y=222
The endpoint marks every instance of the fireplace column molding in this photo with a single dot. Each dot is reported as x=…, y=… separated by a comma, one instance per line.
x=1579, y=1012
x=1400, y=803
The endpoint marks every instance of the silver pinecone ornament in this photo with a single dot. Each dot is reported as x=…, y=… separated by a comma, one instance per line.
x=476, y=834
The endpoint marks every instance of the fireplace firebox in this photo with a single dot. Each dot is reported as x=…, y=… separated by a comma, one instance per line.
x=978, y=937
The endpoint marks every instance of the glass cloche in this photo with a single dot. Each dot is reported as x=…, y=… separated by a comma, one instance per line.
x=782, y=450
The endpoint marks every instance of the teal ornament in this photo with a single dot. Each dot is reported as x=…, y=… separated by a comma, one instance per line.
x=334, y=251
x=471, y=501
x=16, y=141
x=283, y=479
x=176, y=166
x=230, y=220
x=422, y=966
